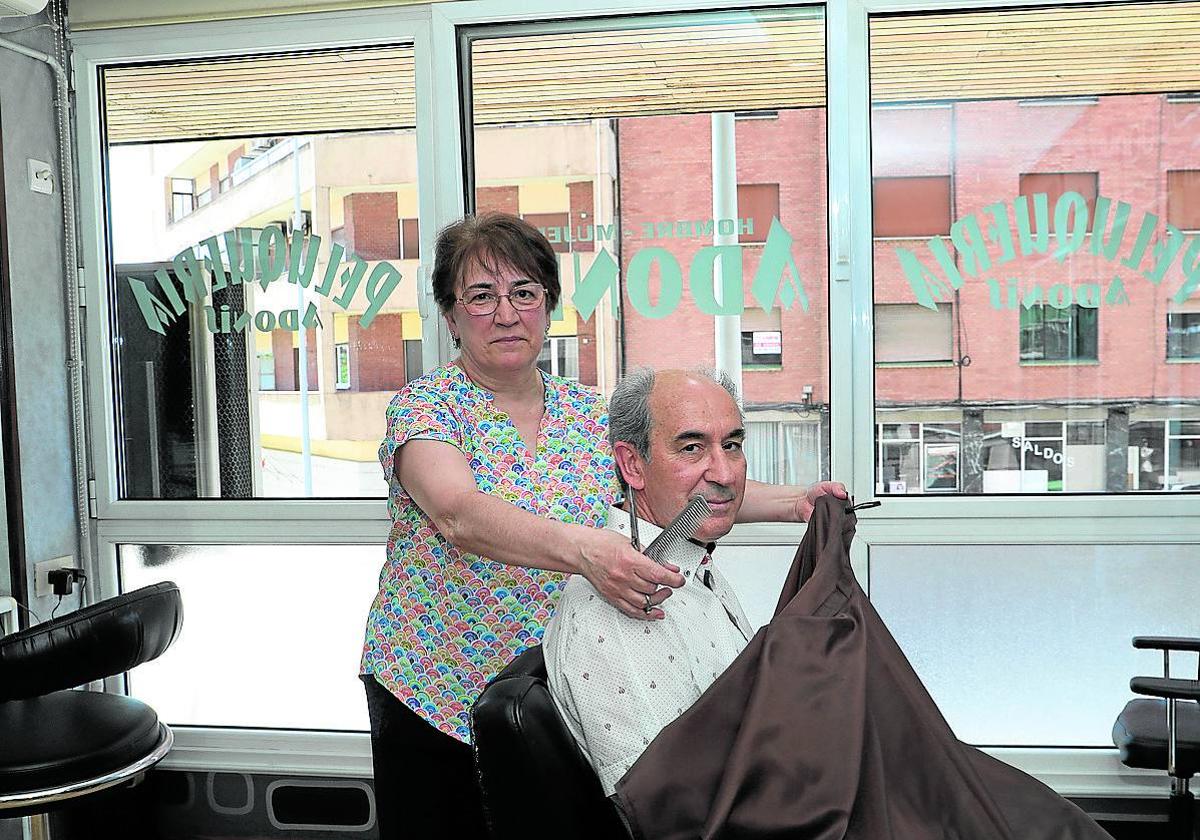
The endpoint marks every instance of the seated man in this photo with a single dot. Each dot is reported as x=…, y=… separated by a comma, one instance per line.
x=618, y=681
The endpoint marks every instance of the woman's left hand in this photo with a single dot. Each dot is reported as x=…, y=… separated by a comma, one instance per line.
x=805, y=503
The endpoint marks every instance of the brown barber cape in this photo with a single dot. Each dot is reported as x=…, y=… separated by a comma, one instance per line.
x=821, y=730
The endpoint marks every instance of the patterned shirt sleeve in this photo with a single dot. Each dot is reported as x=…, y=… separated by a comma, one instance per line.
x=419, y=411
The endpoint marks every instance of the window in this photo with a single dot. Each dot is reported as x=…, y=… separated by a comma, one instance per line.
x=208, y=384
x=342, y=365
x=907, y=333
x=240, y=686
x=1049, y=334
x=553, y=226
x=413, y=364
x=1055, y=185
x=762, y=338
x=1183, y=198
x=1183, y=335
x=410, y=240
x=782, y=451
x=1009, y=284
x=911, y=206
x=560, y=356
x=760, y=204
x=621, y=178
x=918, y=458
x=1183, y=455
x=183, y=198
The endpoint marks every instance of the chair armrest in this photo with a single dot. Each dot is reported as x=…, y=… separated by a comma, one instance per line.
x=1167, y=643
x=1170, y=689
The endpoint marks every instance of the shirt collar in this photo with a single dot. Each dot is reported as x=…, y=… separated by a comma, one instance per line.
x=687, y=555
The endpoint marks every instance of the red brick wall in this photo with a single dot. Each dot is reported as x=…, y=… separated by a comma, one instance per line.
x=1132, y=141
x=498, y=199
x=285, y=359
x=372, y=228
x=666, y=175
x=214, y=179
x=377, y=354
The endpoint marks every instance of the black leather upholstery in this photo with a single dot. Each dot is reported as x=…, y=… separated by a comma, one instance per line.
x=66, y=736
x=536, y=782
x=1140, y=734
x=98, y=641
x=56, y=743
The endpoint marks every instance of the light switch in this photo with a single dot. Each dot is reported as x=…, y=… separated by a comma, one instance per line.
x=41, y=177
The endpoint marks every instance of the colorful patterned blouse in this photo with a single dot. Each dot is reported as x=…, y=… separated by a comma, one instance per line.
x=445, y=622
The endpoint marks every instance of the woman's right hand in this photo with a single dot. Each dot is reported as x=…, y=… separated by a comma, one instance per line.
x=624, y=576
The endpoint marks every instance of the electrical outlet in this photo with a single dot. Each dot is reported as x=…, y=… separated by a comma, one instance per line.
x=41, y=586
x=41, y=176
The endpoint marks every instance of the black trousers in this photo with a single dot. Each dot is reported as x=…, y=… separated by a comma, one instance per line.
x=424, y=779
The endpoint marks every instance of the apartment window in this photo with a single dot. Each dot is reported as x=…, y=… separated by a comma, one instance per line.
x=783, y=451
x=560, y=356
x=760, y=204
x=918, y=457
x=762, y=338
x=1183, y=335
x=1054, y=185
x=183, y=198
x=266, y=370
x=204, y=198
x=556, y=227
x=911, y=206
x=341, y=354
x=413, y=365
x=410, y=240
x=1183, y=454
x=1049, y=334
x=908, y=333
x=1183, y=198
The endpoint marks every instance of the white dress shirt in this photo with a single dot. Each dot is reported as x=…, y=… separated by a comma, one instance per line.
x=618, y=681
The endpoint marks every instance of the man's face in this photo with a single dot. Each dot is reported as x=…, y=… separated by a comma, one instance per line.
x=696, y=440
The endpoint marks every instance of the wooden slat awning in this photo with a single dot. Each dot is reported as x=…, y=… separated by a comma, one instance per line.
x=261, y=96
x=1035, y=53
x=742, y=61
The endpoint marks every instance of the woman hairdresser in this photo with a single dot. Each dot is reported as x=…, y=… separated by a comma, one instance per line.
x=500, y=479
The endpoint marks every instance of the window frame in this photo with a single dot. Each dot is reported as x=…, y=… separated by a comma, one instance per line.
x=445, y=182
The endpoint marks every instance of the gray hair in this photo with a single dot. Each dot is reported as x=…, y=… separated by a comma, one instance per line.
x=629, y=419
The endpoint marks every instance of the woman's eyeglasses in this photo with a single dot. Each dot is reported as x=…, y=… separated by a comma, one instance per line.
x=485, y=301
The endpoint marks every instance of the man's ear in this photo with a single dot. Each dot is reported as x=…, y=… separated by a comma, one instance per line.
x=630, y=465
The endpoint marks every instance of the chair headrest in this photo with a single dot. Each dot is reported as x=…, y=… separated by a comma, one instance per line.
x=521, y=745
x=102, y=640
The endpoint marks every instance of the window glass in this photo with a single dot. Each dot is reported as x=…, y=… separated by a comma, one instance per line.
x=603, y=137
x=1039, y=654
x=277, y=649
x=906, y=332
x=1183, y=198
x=262, y=330
x=1036, y=276
x=911, y=206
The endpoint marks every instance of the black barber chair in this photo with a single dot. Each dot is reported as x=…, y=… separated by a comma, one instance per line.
x=1164, y=733
x=536, y=783
x=58, y=744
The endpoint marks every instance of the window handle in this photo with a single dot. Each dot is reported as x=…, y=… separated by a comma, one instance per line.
x=841, y=239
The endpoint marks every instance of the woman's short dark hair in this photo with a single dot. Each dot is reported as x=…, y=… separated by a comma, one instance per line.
x=492, y=241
